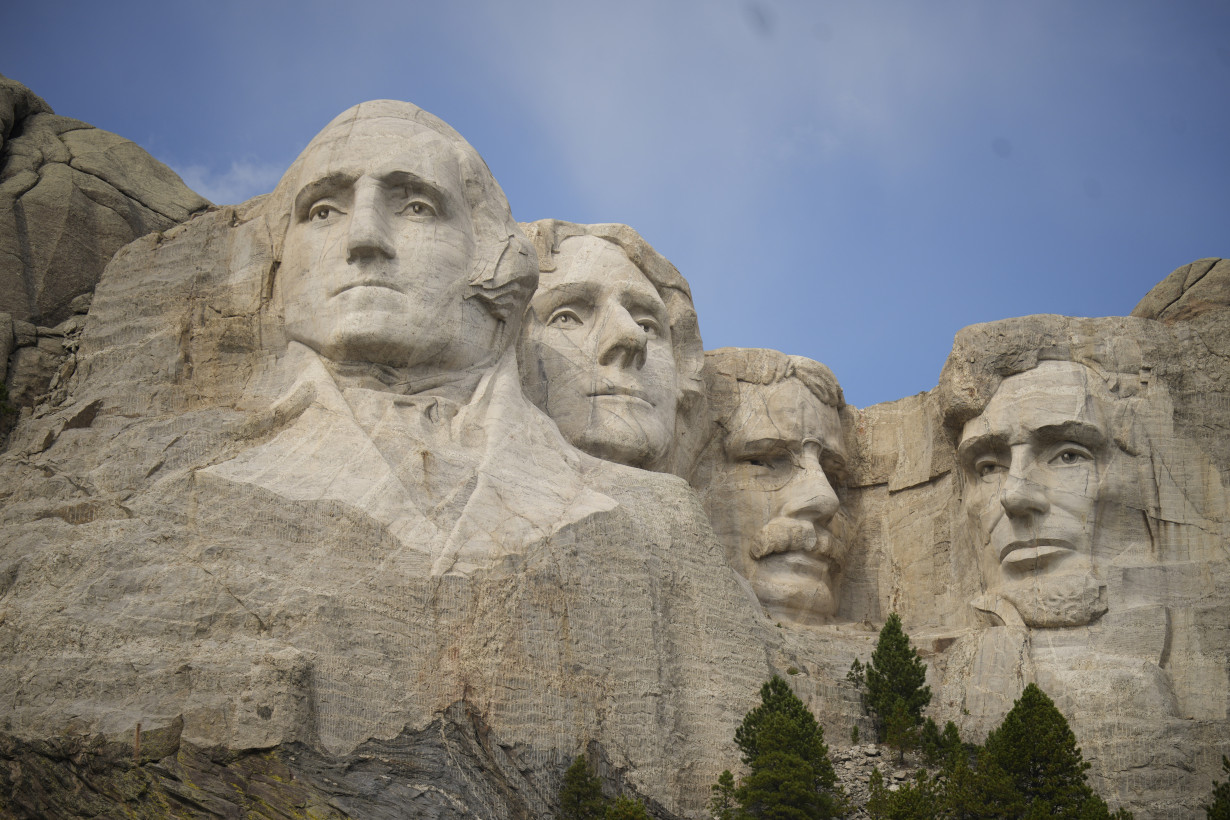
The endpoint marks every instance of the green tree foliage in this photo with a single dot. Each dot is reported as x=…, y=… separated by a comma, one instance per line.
x=1037, y=752
x=625, y=808
x=930, y=742
x=950, y=743
x=982, y=792
x=900, y=729
x=789, y=775
x=580, y=798
x=1219, y=809
x=722, y=804
x=895, y=673
x=918, y=799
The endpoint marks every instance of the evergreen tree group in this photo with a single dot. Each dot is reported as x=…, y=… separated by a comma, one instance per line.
x=1030, y=767
x=893, y=687
x=580, y=798
x=789, y=774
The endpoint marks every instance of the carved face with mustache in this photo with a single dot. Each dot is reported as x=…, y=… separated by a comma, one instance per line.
x=773, y=499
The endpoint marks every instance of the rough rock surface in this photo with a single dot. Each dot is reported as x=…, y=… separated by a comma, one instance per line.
x=71, y=195
x=1187, y=292
x=242, y=573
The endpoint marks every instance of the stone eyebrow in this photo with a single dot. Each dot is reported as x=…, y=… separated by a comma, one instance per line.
x=319, y=188
x=1082, y=432
x=646, y=297
x=554, y=296
x=970, y=447
x=419, y=185
x=738, y=444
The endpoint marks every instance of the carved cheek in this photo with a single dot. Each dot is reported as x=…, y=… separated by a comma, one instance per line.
x=984, y=506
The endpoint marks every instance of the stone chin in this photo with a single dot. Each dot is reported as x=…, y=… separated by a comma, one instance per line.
x=1064, y=601
x=796, y=587
x=620, y=429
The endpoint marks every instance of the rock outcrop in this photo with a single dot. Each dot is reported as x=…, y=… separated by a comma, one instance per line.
x=71, y=195
x=282, y=534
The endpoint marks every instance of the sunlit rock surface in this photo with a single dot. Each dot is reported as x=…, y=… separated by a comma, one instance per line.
x=287, y=530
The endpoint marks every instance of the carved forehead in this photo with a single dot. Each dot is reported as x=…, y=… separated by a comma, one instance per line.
x=381, y=146
x=590, y=262
x=786, y=412
x=1051, y=395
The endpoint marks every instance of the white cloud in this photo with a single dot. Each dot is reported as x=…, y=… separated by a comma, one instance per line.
x=239, y=182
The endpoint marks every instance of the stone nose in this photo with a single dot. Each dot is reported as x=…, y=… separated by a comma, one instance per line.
x=622, y=341
x=1021, y=496
x=809, y=495
x=369, y=235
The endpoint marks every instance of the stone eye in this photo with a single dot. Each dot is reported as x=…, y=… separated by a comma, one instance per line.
x=1072, y=456
x=987, y=467
x=321, y=213
x=419, y=207
x=565, y=319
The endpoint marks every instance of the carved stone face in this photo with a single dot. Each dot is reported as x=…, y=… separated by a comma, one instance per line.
x=378, y=254
x=1034, y=466
x=772, y=500
x=596, y=354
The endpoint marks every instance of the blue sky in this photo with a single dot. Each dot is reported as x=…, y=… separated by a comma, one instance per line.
x=849, y=181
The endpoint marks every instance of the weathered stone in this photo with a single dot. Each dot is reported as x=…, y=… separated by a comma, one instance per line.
x=1188, y=292
x=24, y=333
x=770, y=474
x=282, y=548
x=281, y=534
x=70, y=196
x=611, y=350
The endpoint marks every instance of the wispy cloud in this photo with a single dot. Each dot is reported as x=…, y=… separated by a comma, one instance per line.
x=239, y=182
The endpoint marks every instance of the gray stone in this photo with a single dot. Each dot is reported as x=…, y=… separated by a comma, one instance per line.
x=1188, y=292
x=70, y=196
x=281, y=526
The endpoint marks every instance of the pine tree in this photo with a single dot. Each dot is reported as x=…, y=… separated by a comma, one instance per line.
x=951, y=745
x=1219, y=809
x=789, y=772
x=931, y=742
x=918, y=799
x=981, y=792
x=722, y=804
x=895, y=673
x=625, y=808
x=1037, y=751
x=900, y=729
x=580, y=798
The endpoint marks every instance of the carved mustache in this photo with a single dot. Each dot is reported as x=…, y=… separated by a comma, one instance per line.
x=782, y=535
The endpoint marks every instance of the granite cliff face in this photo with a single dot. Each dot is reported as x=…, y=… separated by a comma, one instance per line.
x=71, y=195
x=332, y=509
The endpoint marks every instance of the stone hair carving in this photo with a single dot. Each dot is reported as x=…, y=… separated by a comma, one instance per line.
x=611, y=348
x=772, y=475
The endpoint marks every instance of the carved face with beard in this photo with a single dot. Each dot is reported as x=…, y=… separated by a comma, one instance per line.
x=773, y=501
x=1035, y=466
